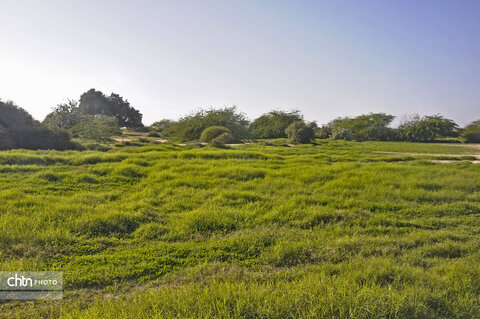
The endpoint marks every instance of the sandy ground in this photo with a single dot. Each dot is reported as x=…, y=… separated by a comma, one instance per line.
x=121, y=139
x=429, y=154
x=473, y=147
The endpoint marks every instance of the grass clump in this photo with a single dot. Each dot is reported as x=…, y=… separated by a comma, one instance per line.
x=118, y=224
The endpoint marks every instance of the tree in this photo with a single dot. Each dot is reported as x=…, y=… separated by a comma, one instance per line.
x=126, y=115
x=471, y=132
x=427, y=128
x=273, y=124
x=64, y=116
x=300, y=133
x=94, y=102
x=190, y=127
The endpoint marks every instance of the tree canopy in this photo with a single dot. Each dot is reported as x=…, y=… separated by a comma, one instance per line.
x=427, y=128
x=94, y=102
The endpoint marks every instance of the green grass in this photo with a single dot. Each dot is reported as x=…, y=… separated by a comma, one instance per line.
x=334, y=230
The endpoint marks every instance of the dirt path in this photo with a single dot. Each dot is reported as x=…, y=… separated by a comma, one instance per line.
x=475, y=147
x=477, y=156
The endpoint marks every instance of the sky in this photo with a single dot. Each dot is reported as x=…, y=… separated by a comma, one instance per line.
x=168, y=58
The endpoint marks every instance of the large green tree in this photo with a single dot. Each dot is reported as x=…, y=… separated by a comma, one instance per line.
x=94, y=102
x=427, y=128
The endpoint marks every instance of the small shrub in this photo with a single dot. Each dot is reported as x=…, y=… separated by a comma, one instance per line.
x=194, y=145
x=221, y=140
x=224, y=138
x=212, y=132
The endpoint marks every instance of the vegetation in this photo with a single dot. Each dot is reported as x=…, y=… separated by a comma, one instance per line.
x=331, y=230
x=376, y=127
x=370, y=127
x=161, y=127
x=300, y=133
x=19, y=130
x=64, y=116
x=471, y=133
x=212, y=132
x=94, y=103
x=274, y=124
x=190, y=127
x=427, y=128
x=96, y=127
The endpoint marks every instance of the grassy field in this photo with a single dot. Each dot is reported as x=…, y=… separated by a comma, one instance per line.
x=334, y=230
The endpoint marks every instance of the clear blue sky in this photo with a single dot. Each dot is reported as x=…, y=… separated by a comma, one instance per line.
x=326, y=58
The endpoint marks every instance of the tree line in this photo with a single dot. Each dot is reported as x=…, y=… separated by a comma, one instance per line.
x=96, y=116
x=292, y=125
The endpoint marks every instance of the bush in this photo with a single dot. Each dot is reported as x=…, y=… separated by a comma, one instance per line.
x=224, y=138
x=300, y=133
x=274, y=124
x=212, y=132
x=19, y=130
x=190, y=127
x=471, y=133
x=221, y=140
x=369, y=127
